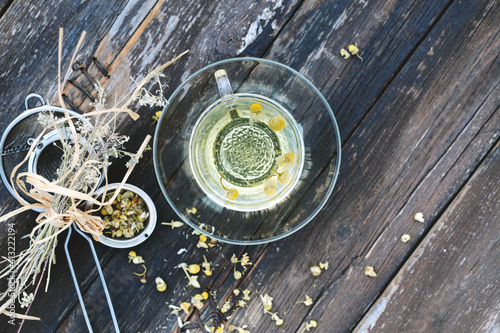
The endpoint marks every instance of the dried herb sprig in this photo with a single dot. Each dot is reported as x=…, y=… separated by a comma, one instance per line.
x=88, y=142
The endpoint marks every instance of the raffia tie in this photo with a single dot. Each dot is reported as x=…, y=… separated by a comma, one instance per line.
x=43, y=193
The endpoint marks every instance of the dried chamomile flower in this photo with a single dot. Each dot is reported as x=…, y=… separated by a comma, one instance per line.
x=354, y=50
x=192, y=210
x=236, y=292
x=234, y=259
x=185, y=307
x=256, y=108
x=241, y=303
x=207, y=269
x=255, y=112
x=197, y=301
x=231, y=193
x=315, y=270
x=286, y=161
x=307, y=302
x=194, y=269
x=245, y=260
x=309, y=325
x=138, y=260
x=156, y=117
x=131, y=256
x=276, y=318
x=212, y=243
x=405, y=238
x=202, y=242
x=283, y=177
x=193, y=281
x=246, y=295
x=277, y=123
x=204, y=295
x=344, y=54
x=267, y=301
x=174, y=224
x=242, y=329
x=269, y=186
x=419, y=217
x=160, y=284
x=238, y=275
x=324, y=265
x=225, y=307
x=370, y=271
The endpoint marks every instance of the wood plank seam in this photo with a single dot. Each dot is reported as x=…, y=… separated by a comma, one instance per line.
x=423, y=236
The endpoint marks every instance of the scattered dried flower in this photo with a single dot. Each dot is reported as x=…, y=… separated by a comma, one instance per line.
x=193, y=281
x=344, y=54
x=194, y=269
x=309, y=325
x=269, y=185
x=131, y=256
x=225, y=307
x=245, y=260
x=202, y=245
x=267, y=301
x=138, y=260
x=234, y=259
x=419, y=217
x=307, y=302
x=324, y=266
x=156, y=117
x=315, y=270
x=354, y=50
x=370, y=271
x=185, y=307
x=405, y=238
x=204, y=295
x=277, y=123
x=160, y=284
x=192, y=210
x=246, y=295
x=236, y=292
x=241, y=303
x=197, y=301
x=237, y=275
x=242, y=329
x=174, y=224
x=206, y=266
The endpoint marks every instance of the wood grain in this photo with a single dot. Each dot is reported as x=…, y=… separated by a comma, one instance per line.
x=450, y=283
x=417, y=117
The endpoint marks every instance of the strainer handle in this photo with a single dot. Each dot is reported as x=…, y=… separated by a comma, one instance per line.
x=101, y=276
x=30, y=96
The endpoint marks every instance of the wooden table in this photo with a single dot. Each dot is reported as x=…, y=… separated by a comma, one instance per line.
x=420, y=123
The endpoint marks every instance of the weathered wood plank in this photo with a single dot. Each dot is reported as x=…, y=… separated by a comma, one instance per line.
x=450, y=283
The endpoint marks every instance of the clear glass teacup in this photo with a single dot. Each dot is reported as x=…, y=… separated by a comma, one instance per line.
x=247, y=151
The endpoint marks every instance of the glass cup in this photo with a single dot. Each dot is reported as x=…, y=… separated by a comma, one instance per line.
x=247, y=151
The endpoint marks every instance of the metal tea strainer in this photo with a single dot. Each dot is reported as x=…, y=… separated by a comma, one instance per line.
x=46, y=158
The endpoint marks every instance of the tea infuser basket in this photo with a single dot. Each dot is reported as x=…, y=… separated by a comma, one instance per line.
x=46, y=158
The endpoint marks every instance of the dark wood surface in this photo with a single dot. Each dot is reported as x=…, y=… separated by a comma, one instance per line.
x=420, y=124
